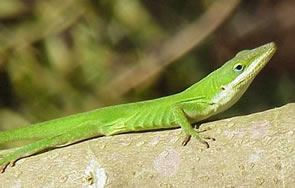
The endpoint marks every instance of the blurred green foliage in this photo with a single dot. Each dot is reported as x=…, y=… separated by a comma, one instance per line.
x=56, y=57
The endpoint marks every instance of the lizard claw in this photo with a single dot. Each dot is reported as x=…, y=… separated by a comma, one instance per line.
x=209, y=138
x=12, y=163
x=186, y=140
x=203, y=130
x=205, y=143
x=3, y=167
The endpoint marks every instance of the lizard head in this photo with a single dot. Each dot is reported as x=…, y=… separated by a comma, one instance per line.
x=235, y=76
x=240, y=71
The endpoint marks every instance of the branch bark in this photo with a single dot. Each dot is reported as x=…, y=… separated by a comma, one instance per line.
x=249, y=151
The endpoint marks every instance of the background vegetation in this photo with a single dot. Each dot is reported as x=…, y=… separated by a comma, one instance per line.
x=63, y=57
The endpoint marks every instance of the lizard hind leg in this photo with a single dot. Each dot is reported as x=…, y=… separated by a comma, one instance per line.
x=74, y=135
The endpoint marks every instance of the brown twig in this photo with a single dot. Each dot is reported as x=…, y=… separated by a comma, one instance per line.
x=191, y=36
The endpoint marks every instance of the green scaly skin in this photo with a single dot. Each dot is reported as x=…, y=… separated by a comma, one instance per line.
x=212, y=95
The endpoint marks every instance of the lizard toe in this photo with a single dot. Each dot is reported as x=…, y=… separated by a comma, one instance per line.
x=3, y=166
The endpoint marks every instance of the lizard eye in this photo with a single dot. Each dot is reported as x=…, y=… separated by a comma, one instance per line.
x=239, y=67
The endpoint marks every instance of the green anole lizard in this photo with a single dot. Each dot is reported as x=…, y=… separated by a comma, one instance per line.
x=212, y=95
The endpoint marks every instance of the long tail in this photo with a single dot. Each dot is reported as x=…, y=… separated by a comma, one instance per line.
x=40, y=130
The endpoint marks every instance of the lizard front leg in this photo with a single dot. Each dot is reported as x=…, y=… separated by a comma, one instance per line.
x=187, y=128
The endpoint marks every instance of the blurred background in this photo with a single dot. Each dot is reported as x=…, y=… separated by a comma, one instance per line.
x=64, y=57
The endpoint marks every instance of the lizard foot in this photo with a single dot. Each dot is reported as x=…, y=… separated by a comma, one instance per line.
x=188, y=138
x=201, y=139
x=3, y=165
x=9, y=160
